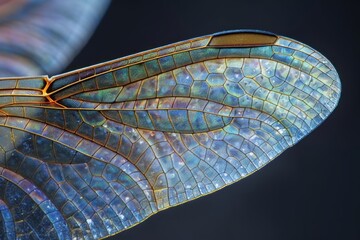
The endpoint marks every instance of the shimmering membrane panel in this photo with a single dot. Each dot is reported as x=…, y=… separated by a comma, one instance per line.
x=106, y=147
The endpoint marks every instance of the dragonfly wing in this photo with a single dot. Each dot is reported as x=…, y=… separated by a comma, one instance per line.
x=110, y=145
x=42, y=37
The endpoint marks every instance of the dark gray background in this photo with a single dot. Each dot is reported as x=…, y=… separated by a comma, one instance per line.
x=311, y=191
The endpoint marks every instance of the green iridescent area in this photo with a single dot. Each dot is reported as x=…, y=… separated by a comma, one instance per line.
x=110, y=145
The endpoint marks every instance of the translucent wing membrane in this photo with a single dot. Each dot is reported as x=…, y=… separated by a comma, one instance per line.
x=42, y=36
x=89, y=153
